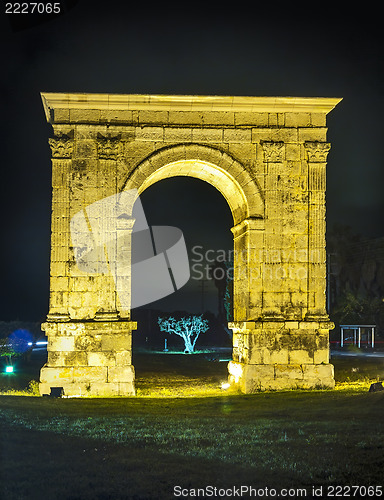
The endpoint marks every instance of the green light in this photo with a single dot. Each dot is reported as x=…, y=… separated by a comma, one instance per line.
x=9, y=369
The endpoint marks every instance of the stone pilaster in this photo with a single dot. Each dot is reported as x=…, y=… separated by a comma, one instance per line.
x=62, y=150
x=274, y=160
x=248, y=237
x=316, y=156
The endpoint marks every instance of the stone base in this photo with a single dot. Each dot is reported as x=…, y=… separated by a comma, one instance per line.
x=254, y=378
x=86, y=381
x=278, y=355
x=89, y=359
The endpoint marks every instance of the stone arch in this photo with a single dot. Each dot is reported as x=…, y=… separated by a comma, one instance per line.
x=266, y=155
x=209, y=164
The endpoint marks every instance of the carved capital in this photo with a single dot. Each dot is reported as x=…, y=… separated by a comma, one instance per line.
x=317, y=151
x=109, y=148
x=273, y=151
x=61, y=145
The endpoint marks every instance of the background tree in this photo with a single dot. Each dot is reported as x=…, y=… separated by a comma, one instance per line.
x=188, y=328
x=356, y=309
x=8, y=351
x=356, y=278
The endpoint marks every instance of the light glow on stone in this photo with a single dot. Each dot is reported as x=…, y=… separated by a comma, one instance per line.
x=236, y=370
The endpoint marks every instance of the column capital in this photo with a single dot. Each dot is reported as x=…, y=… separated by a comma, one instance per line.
x=273, y=151
x=61, y=145
x=317, y=152
x=109, y=147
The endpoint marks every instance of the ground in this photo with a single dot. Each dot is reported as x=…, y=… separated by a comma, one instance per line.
x=145, y=446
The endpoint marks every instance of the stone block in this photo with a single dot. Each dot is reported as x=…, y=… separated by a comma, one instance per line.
x=44, y=388
x=321, y=372
x=116, y=342
x=249, y=118
x=74, y=358
x=104, y=389
x=149, y=133
x=153, y=117
x=87, y=342
x=90, y=373
x=218, y=118
x=275, y=356
x=77, y=390
x=59, y=283
x=107, y=358
x=60, y=343
x=214, y=135
x=186, y=117
x=297, y=119
x=321, y=356
x=293, y=153
x=312, y=134
x=123, y=358
x=84, y=115
x=121, y=374
x=237, y=135
x=177, y=134
x=318, y=119
x=61, y=115
x=56, y=376
x=300, y=356
x=291, y=372
x=117, y=116
x=127, y=389
x=253, y=356
x=255, y=378
x=272, y=119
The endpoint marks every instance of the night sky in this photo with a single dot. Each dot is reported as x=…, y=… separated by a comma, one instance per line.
x=113, y=47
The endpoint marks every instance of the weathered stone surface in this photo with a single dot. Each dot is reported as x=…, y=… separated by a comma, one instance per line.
x=121, y=374
x=266, y=155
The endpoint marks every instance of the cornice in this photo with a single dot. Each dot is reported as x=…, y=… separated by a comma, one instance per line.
x=158, y=102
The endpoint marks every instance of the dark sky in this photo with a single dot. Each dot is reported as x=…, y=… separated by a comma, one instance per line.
x=113, y=47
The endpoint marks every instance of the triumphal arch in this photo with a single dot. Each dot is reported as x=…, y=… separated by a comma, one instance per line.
x=266, y=155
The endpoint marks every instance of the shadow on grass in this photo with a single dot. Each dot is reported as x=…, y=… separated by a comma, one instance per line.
x=37, y=465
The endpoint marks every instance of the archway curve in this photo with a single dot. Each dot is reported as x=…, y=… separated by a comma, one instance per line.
x=208, y=164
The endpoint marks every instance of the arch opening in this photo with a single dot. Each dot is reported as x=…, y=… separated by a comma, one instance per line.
x=204, y=216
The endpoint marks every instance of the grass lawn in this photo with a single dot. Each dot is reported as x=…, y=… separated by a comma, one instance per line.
x=141, y=447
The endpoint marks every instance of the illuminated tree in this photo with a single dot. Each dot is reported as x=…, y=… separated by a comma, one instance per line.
x=17, y=344
x=188, y=329
x=7, y=350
